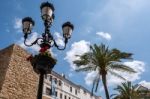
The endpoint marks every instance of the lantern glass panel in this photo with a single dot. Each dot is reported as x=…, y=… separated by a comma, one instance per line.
x=27, y=27
x=67, y=31
x=46, y=13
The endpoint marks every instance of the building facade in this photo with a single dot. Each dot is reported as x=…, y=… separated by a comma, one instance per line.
x=57, y=86
x=143, y=91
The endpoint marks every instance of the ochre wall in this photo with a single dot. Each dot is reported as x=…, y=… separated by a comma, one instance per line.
x=17, y=78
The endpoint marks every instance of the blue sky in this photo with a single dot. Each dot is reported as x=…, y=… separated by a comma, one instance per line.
x=122, y=24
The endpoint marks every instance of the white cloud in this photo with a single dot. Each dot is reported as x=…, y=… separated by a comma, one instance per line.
x=104, y=35
x=77, y=48
x=59, y=39
x=145, y=84
x=34, y=48
x=90, y=77
x=70, y=75
x=138, y=66
x=18, y=24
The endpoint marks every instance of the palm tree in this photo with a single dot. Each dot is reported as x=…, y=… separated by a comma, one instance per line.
x=126, y=91
x=104, y=60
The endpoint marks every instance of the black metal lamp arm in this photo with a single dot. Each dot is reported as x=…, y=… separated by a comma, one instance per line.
x=33, y=43
x=58, y=47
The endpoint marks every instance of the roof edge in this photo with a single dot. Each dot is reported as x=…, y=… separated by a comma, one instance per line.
x=14, y=46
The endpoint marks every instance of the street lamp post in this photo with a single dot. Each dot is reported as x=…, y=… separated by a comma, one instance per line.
x=43, y=63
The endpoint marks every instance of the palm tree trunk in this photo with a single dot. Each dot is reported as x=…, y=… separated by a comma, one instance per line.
x=105, y=86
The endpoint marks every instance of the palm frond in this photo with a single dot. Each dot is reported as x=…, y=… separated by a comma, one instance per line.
x=126, y=91
x=92, y=88
x=117, y=55
x=80, y=62
x=116, y=74
x=121, y=67
x=86, y=68
x=97, y=83
x=114, y=95
x=125, y=55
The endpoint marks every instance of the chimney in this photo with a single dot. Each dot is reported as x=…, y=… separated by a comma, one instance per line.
x=63, y=75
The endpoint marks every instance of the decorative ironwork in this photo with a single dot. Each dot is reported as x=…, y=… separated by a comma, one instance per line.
x=43, y=62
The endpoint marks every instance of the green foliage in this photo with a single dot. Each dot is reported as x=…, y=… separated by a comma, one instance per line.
x=104, y=60
x=126, y=91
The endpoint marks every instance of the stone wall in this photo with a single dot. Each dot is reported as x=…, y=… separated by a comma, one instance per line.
x=4, y=62
x=17, y=78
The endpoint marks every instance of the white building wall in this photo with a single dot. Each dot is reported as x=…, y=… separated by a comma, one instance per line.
x=64, y=89
x=85, y=95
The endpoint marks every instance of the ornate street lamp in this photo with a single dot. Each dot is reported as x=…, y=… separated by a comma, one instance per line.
x=43, y=63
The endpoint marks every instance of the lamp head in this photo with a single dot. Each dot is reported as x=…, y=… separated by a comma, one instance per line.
x=47, y=11
x=67, y=28
x=27, y=25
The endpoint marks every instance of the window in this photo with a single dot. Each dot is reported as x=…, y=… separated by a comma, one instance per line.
x=91, y=96
x=84, y=92
x=45, y=76
x=55, y=80
x=60, y=82
x=76, y=92
x=70, y=89
x=48, y=91
x=60, y=95
x=50, y=78
x=65, y=97
x=56, y=93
